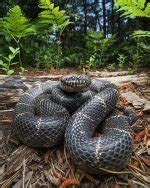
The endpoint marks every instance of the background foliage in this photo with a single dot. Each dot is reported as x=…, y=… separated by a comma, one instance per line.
x=87, y=33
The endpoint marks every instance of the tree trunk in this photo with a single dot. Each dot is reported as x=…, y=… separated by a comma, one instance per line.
x=119, y=26
x=104, y=16
x=96, y=9
x=112, y=17
x=85, y=16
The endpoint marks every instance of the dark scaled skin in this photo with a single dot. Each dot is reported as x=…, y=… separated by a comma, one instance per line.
x=75, y=83
x=39, y=122
x=77, y=106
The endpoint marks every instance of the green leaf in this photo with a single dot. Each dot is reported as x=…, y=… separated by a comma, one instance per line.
x=56, y=11
x=14, y=50
x=22, y=70
x=140, y=33
x=51, y=6
x=14, y=63
x=141, y=4
x=6, y=58
x=5, y=65
x=147, y=9
x=62, y=12
x=10, y=72
x=1, y=62
x=133, y=8
x=44, y=4
x=11, y=56
x=4, y=69
x=11, y=49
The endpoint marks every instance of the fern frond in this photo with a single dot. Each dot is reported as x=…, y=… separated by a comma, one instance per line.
x=132, y=11
x=147, y=9
x=134, y=8
x=145, y=46
x=141, y=33
x=16, y=24
x=141, y=4
x=51, y=16
x=95, y=35
x=46, y=4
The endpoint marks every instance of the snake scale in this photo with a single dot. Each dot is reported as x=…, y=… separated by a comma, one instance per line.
x=73, y=108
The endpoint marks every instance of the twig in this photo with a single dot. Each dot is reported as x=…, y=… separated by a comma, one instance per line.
x=57, y=174
x=69, y=182
x=146, y=161
x=115, y=172
x=66, y=156
x=23, y=173
x=46, y=158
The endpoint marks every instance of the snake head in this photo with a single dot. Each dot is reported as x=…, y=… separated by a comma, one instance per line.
x=75, y=82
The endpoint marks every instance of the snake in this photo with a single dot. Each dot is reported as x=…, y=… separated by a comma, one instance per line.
x=72, y=109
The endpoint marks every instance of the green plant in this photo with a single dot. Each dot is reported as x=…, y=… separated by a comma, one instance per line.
x=51, y=17
x=92, y=61
x=50, y=21
x=140, y=34
x=134, y=8
x=7, y=62
x=145, y=47
x=75, y=56
x=59, y=59
x=48, y=56
x=121, y=61
x=97, y=48
x=111, y=66
x=135, y=62
x=142, y=39
x=85, y=70
x=15, y=25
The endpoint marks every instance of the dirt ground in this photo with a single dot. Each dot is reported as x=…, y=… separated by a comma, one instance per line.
x=21, y=166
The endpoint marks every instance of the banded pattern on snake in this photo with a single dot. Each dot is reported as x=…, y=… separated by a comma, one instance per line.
x=76, y=106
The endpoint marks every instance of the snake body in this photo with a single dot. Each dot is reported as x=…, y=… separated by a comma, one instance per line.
x=76, y=106
x=40, y=123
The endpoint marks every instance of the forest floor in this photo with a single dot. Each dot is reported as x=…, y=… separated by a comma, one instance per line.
x=72, y=70
x=21, y=166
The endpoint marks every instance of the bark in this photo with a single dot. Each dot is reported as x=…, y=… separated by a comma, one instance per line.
x=96, y=9
x=85, y=16
x=104, y=16
x=12, y=88
x=119, y=25
x=112, y=17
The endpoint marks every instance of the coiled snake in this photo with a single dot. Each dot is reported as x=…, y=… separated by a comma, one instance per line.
x=75, y=107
